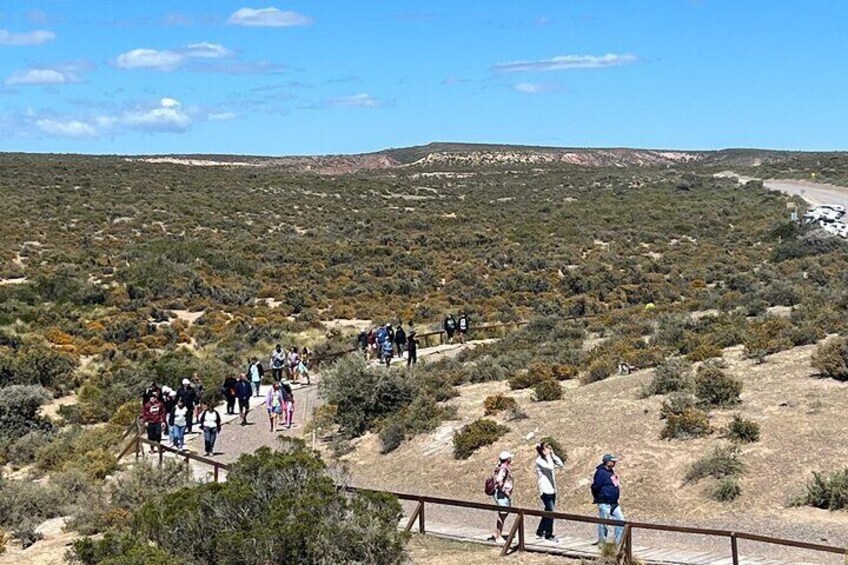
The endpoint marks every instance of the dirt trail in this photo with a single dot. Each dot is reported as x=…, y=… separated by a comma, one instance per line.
x=813, y=192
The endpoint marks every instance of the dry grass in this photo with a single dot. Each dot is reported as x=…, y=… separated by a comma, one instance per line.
x=802, y=428
x=430, y=549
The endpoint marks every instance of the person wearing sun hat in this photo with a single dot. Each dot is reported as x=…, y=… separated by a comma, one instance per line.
x=606, y=491
x=503, y=492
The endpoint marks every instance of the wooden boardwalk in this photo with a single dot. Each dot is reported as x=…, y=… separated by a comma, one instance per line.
x=582, y=548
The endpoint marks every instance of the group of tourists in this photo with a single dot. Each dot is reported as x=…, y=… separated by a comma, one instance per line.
x=385, y=342
x=175, y=413
x=456, y=326
x=605, y=490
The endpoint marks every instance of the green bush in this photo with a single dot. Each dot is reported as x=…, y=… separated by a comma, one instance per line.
x=828, y=491
x=475, y=435
x=276, y=506
x=19, y=407
x=831, y=359
x=713, y=387
x=422, y=415
x=672, y=375
x=598, y=370
x=535, y=374
x=691, y=422
x=486, y=370
x=121, y=548
x=548, y=390
x=676, y=404
x=740, y=430
x=725, y=490
x=721, y=462
x=498, y=403
x=558, y=449
x=364, y=393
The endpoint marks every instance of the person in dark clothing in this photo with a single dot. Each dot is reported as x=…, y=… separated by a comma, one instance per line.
x=362, y=342
x=229, y=391
x=412, y=348
x=152, y=390
x=188, y=395
x=462, y=327
x=400, y=340
x=605, y=492
x=243, y=393
x=153, y=414
x=450, y=327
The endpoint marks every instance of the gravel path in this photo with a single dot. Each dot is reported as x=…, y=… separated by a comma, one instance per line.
x=814, y=193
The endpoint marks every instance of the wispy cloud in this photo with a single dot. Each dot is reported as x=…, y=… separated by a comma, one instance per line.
x=362, y=100
x=537, y=87
x=170, y=60
x=68, y=128
x=566, y=63
x=268, y=17
x=63, y=73
x=36, y=37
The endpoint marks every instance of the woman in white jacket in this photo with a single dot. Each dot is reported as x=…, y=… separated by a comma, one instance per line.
x=546, y=462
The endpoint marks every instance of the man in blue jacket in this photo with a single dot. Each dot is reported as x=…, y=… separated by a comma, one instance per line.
x=605, y=491
x=243, y=393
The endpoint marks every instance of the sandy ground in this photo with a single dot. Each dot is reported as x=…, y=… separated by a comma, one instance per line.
x=802, y=427
x=48, y=551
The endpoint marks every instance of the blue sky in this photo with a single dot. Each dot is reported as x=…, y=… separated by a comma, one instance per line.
x=338, y=76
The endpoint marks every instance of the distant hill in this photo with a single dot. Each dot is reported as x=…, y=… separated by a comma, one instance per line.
x=477, y=155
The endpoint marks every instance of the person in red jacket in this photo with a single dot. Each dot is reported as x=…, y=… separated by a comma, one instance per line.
x=153, y=414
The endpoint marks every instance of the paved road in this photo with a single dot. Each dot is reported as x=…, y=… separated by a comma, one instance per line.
x=814, y=193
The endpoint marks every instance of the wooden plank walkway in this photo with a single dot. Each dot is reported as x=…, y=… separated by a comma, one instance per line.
x=577, y=548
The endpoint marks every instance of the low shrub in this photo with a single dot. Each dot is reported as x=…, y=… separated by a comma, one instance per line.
x=525, y=379
x=704, y=350
x=725, y=490
x=548, y=390
x=598, y=370
x=831, y=359
x=564, y=372
x=721, y=462
x=691, y=422
x=828, y=491
x=476, y=435
x=713, y=387
x=422, y=415
x=486, y=370
x=672, y=375
x=676, y=404
x=498, y=403
x=391, y=436
x=740, y=430
x=768, y=336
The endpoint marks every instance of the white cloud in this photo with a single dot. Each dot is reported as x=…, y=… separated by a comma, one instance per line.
x=206, y=51
x=149, y=59
x=70, y=128
x=36, y=37
x=64, y=73
x=222, y=116
x=362, y=100
x=268, y=17
x=566, y=63
x=167, y=116
x=536, y=87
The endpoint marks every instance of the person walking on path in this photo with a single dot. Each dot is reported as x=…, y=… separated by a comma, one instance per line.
x=294, y=361
x=288, y=403
x=198, y=389
x=362, y=343
x=255, y=371
x=188, y=395
x=503, y=492
x=228, y=388
x=400, y=340
x=462, y=327
x=303, y=370
x=606, y=491
x=546, y=462
x=243, y=394
x=274, y=405
x=177, y=420
x=153, y=415
x=450, y=327
x=412, y=348
x=210, y=423
x=386, y=353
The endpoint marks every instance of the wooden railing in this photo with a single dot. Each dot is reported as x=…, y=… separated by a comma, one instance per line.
x=517, y=532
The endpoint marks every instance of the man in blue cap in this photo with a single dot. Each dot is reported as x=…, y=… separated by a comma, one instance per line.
x=606, y=491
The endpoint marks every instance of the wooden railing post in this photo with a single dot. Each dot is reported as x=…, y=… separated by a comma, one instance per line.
x=519, y=519
x=625, y=550
x=421, y=528
x=161, y=456
x=415, y=516
x=137, y=446
x=215, y=472
x=734, y=549
x=521, y=532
